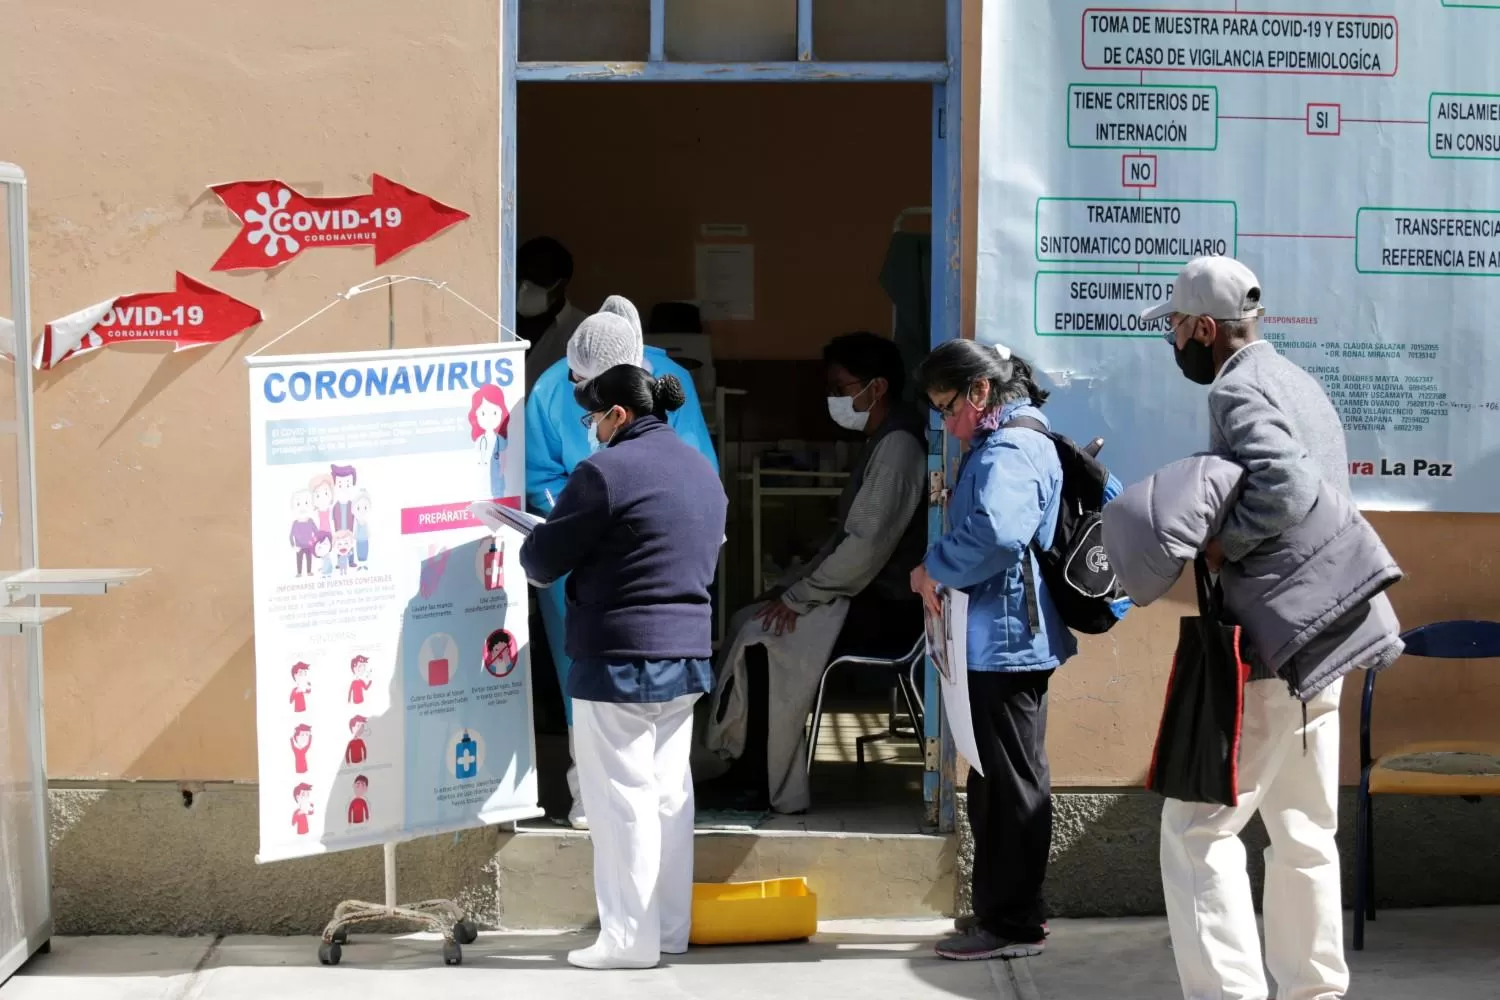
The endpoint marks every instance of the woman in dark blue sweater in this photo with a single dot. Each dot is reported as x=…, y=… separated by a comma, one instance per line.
x=638, y=527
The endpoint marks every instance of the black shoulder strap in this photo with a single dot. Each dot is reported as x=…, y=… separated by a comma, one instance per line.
x=1028, y=576
x=1030, y=423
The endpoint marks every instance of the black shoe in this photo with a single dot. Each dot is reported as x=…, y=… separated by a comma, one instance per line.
x=969, y=923
x=730, y=795
x=979, y=945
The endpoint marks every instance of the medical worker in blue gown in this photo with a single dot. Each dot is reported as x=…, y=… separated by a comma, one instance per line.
x=557, y=440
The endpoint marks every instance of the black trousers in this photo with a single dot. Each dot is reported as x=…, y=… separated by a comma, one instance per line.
x=1010, y=807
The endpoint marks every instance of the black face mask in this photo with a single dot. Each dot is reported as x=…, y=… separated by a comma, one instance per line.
x=1196, y=361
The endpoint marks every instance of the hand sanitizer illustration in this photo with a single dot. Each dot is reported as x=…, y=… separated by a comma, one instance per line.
x=494, y=566
x=465, y=758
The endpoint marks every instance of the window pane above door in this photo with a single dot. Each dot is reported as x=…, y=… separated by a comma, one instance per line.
x=585, y=30
x=732, y=30
x=879, y=30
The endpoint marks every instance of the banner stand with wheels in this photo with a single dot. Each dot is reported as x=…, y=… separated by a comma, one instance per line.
x=392, y=667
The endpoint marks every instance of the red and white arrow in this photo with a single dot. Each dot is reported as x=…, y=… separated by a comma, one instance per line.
x=191, y=315
x=277, y=223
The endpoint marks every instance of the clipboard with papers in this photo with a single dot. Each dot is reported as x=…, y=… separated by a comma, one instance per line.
x=495, y=516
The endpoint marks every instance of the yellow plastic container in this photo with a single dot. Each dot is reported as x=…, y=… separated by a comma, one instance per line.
x=754, y=912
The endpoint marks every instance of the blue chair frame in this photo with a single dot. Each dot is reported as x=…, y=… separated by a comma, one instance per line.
x=1450, y=640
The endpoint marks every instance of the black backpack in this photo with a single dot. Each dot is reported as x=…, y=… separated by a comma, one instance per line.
x=1076, y=568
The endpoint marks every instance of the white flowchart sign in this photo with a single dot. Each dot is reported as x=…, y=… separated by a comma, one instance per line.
x=1348, y=151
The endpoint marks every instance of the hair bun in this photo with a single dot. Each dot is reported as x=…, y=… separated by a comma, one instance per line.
x=668, y=394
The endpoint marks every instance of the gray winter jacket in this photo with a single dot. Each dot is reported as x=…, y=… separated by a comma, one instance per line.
x=1311, y=602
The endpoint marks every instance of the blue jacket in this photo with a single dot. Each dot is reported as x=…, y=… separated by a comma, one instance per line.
x=1007, y=495
x=556, y=440
x=637, y=532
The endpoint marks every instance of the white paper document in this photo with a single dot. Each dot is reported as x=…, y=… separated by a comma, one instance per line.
x=497, y=516
x=726, y=281
x=947, y=644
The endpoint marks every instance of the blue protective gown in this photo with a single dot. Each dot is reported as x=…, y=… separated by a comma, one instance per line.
x=556, y=441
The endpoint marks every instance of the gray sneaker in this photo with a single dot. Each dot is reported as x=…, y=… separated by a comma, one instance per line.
x=979, y=944
x=969, y=923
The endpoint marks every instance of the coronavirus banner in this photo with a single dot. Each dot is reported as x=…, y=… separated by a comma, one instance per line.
x=393, y=693
x=1348, y=152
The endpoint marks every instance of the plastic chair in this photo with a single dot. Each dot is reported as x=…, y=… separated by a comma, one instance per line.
x=906, y=689
x=1468, y=769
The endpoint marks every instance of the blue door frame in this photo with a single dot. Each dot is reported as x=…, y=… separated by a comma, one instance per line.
x=947, y=203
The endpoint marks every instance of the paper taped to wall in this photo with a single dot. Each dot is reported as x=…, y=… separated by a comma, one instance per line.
x=726, y=281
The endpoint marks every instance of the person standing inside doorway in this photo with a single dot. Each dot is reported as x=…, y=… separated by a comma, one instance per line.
x=1004, y=507
x=1273, y=418
x=557, y=440
x=544, y=316
x=637, y=532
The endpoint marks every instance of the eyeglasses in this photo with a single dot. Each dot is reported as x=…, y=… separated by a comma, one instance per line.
x=947, y=409
x=587, y=420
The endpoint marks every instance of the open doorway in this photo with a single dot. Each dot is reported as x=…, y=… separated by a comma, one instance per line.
x=791, y=213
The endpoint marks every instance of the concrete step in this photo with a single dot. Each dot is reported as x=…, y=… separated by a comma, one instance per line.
x=546, y=880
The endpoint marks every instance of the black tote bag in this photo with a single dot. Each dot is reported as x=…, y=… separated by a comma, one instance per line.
x=1198, y=745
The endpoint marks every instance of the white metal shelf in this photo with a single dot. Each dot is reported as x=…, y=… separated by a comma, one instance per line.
x=16, y=621
x=72, y=582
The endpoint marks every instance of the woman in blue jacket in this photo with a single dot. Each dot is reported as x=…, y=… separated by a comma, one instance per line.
x=636, y=531
x=1004, y=502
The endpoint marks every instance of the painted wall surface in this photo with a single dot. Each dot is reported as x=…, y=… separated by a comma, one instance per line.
x=624, y=175
x=122, y=114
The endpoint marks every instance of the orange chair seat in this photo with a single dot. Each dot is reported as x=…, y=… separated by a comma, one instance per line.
x=1456, y=768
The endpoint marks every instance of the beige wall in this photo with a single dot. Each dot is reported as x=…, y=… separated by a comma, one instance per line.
x=123, y=113
x=817, y=172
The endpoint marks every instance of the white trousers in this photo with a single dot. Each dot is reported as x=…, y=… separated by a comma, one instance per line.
x=633, y=767
x=1209, y=906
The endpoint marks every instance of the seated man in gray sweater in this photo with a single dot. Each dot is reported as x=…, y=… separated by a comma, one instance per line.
x=1274, y=419
x=855, y=596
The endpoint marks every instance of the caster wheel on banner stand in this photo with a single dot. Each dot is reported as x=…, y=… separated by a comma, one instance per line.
x=464, y=932
x=329, y=953
x=453, y=954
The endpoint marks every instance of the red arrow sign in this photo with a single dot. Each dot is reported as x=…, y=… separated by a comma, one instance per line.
x=191, y=315
x=277, y=223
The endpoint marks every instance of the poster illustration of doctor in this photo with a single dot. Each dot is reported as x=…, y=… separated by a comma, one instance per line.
x=489, y=423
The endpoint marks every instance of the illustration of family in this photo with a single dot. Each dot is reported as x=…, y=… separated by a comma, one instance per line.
x=331, y=524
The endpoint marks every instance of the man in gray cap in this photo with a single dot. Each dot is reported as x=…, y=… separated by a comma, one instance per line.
x=1274, y=419
x=557, y=440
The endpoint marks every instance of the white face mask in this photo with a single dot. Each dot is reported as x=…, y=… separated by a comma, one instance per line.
x=532, y=300
x=841, y=409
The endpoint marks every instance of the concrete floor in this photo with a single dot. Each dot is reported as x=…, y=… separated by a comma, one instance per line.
x=1436, y=954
